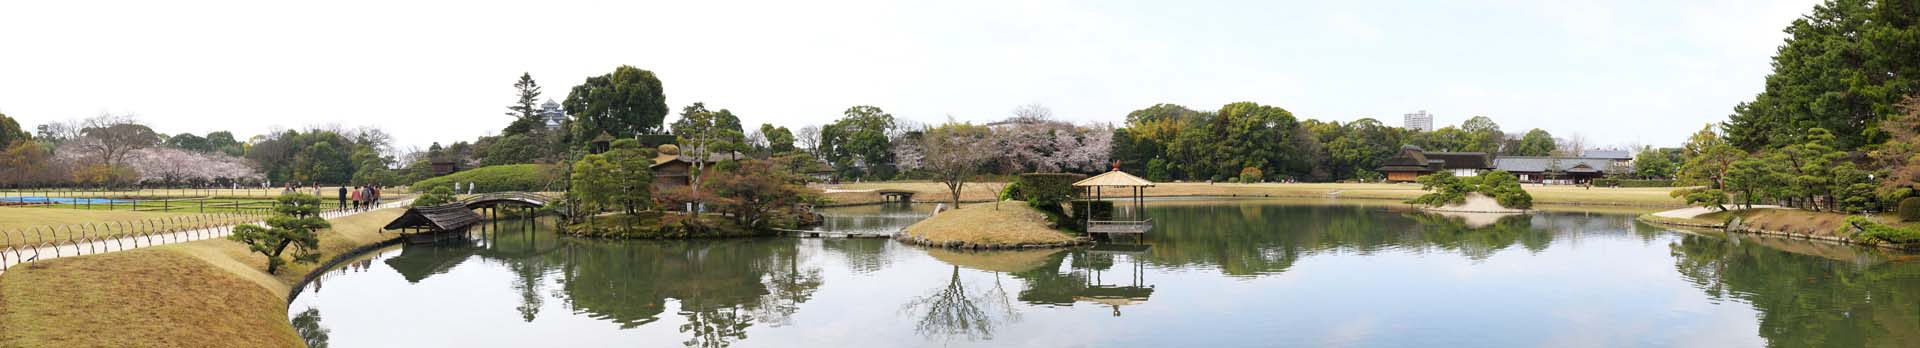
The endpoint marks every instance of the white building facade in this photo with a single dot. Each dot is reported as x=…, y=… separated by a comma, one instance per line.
x=1419, y=121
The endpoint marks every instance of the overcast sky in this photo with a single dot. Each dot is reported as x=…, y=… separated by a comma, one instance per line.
x=1619, y=72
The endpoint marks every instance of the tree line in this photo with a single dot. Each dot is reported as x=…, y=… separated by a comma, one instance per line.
x=1835, y=127
x=1173, y=142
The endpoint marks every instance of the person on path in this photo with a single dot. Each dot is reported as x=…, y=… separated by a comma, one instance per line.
x=376, y=194
x=366, y=192
x=356, y=199
x=343, y=197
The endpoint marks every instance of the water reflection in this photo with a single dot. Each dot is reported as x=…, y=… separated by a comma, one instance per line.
x=1212, y=273
x=307, y=325
x=1814, y=298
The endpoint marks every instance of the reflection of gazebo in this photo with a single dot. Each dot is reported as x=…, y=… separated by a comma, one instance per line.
x=1136, y=291
x=1137, y=187
x=417, y=262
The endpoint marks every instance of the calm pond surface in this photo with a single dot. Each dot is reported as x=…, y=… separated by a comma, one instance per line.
x=1214, y=273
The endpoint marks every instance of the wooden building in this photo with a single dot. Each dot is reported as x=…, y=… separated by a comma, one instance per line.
x=1412, y=162
x=1557, y=170
x=671, y=169
x=435, y=223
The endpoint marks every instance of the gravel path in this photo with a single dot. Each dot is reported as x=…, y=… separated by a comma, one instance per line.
x=1689, y=213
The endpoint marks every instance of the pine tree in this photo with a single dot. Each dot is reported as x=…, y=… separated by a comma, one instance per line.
x=526, y=118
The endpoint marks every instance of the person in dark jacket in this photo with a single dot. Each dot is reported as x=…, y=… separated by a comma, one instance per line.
x=343, y=196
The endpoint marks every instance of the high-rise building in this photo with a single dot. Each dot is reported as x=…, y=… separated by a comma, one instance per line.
x=1419, y=121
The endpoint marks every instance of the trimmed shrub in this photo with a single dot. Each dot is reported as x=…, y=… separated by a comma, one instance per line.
x=1011, y=192
x=439, y=195
x=1875, y=231
x=1910, y=209
x=1084, y=210
x=1047, y=190
x=1505, y=188
x=1250, y=175
x=513, y=177
x=1616, y=182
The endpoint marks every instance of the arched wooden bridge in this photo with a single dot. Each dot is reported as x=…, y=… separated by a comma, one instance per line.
x=489, y=200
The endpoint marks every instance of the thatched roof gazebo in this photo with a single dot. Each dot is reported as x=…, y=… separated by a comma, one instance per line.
x=1135, y=186
x=431, y=224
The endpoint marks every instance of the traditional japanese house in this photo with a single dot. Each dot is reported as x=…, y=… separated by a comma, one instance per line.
x=1412, y=162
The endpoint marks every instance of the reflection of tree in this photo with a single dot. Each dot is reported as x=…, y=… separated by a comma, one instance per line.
x=1805, y=300
x=528, y=276
x=722, y=286
x=526, y=253
x=717, y=327
x=307, y=324
x=862, y=255
x=789, y=285
x=1479, y=243
x=1254, y=238
x=996, y=300
x=951, y=313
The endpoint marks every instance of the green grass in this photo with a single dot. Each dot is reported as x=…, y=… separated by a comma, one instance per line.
x=32, y=226
x=186, y=205
x=513, y=177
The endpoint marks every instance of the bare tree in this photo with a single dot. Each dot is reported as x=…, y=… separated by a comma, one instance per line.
x=109, y=138
x=1031, y=113
x=953, y=152
x=809, y=138
x=1572, y=145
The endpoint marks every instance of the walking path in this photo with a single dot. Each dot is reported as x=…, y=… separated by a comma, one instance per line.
x=1689, y=213
x=25, y=254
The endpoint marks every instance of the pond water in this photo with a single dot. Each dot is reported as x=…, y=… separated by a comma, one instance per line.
x=1212, y=273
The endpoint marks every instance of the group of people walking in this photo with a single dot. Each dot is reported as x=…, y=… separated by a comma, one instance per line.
x=363, y=197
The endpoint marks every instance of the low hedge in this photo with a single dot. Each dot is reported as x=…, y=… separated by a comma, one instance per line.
x=656, y=225
x=512, y=177
x=1910, y=209
x=1611, y=182
x=1084, y=210
x=1047, y=190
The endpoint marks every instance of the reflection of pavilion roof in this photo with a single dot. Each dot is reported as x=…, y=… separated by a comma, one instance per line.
x=416, y=263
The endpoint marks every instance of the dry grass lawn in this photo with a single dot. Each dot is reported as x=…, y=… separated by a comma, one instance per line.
x=1014, y=223
x=1560, y=195
x=138, y=298
x=210, y=293
x=1796, y=221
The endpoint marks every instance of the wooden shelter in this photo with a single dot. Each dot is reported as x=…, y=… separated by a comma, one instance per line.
x=422, y=225
x=1136, y=187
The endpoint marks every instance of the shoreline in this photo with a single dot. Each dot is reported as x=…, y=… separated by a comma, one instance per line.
x=1653, y=219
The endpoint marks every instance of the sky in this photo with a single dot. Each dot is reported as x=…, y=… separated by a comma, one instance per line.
x=1618, y=73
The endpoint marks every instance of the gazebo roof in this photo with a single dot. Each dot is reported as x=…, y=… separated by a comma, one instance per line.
x=1114, y=178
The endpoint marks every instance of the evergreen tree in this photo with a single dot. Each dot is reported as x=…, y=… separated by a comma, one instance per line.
x=525, y=117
